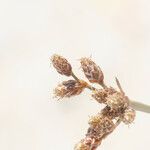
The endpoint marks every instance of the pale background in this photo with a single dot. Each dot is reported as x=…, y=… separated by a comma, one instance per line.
x=115, y=33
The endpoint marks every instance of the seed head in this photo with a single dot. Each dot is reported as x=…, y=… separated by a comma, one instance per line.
x=129, y=116
x=99, y=126
x=91, y=71
x=117, y=101
x=61, y=65
x=101, y=94
x=69, y=88
x=112, y=113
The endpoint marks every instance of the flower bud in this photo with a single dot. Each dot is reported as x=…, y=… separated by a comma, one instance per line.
x=129, y=116
x=117, y=101
x=92, y=71
x=101, y=94
x=69, y=88
x=61, y=65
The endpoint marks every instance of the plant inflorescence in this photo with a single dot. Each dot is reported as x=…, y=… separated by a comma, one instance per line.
x=118, y=107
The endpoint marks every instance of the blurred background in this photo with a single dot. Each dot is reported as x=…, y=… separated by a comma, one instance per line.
x=115, y=34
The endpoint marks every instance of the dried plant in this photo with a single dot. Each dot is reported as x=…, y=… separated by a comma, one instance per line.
x=118, y=107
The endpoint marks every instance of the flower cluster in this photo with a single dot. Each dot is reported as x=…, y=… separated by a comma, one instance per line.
x=117, y=108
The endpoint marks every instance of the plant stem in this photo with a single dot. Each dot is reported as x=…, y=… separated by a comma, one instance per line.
x=134, y=104
x=103, y=85
x=140, y=106
x=77, y=79
x=74, y=76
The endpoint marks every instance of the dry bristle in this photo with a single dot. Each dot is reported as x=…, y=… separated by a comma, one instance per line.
x=69, y=88
x=92, y=71
x=129, y=116
x=101, y=94
x=61, y=65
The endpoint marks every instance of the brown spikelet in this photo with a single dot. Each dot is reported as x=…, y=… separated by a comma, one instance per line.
x=69, y=88
x=112, y=113
x=61, y=65
x=100, y=125
x=92, y=71
x=117, y=101
x=101, y=94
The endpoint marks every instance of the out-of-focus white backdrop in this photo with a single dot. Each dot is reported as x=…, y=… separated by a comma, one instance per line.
x=115, y=33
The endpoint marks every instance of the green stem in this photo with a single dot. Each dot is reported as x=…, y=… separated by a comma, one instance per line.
x=140, y=106
x=74, y=76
